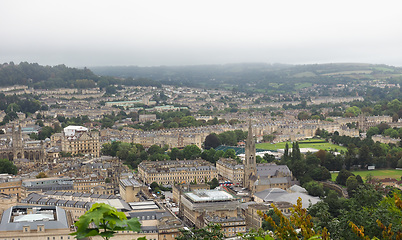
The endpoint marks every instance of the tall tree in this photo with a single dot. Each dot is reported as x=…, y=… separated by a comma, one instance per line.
x=212, y=141
x=8, y=167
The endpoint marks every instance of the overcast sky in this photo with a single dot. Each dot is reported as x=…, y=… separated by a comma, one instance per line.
x=172, y=32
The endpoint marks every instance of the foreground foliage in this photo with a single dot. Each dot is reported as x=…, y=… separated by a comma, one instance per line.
x=390, y=231
x=104, y=220
x=297, y=226
x=367, y=207
x=209, y=232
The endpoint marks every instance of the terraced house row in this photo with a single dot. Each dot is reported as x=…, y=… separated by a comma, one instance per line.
x=170, y=172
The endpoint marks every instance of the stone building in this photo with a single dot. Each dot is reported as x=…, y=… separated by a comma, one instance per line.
x=385, y=139
x=129, y=189
x=253, y=218
x=180, y=189
x=39, y=185
x=18, y=148
x=92, y=184
x=171, y=172
x=212, y=206
x=7, y=201
x=230, y=170
x=78, y=140
x=156, y=222
x=231, y=226
x=35, y=222
x=250, y=161
x=11, y=187
x=252, y=176
x=252, y=210
x=146, y=117
x=267, y=176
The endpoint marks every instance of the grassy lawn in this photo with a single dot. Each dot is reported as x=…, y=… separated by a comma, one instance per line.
x=318, y=144
x=299, y=86
x=386, y=173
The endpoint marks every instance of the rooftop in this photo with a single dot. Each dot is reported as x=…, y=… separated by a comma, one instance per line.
x=17, y=217
x=209, y=195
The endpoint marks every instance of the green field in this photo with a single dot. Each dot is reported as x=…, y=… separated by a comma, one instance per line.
x=299, y=86
x=311, y=143
x=388, y=173
x=384, y=69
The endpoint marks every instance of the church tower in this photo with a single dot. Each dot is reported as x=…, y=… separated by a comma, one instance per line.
x=17, y=143
x=250, y=164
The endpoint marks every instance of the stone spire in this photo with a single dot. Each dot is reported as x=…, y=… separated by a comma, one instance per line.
x=250, y=165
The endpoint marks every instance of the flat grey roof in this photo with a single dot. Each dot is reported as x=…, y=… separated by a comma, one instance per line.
x=130, y=182
x=209, y=195
x=59, y=223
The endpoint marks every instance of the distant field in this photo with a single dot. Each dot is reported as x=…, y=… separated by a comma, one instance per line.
x=274, y=85
x=311, y=143
x=348, y=72
x=384, y=69
x=304, y=74
x=389, y=173
x=299, y=86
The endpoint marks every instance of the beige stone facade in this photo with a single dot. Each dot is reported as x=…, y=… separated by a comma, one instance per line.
x=267, y=175
x=57, y=226
x=230, y=170
x=253, y=218
x=171, y=172
x=230, y=226
x=17, y=147
x=7, y=201
x=197, y=205
x=86, y=143
x=92, y=184
x=11, y=188
x=252, y=213
x=129, y=189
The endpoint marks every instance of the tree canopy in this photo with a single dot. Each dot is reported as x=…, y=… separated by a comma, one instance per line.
x=8, y=167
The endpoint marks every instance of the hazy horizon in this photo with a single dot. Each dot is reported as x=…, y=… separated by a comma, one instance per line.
x=181, y=33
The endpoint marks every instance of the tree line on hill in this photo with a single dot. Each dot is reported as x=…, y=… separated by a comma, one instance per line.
x=61, y=76
x=260, y=76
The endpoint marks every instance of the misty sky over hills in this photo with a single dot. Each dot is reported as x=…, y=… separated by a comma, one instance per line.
x=158, y=32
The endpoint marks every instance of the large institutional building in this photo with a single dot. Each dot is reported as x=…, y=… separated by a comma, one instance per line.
x=254, y=177
x=203, y=207
x=35, y=222
x=78, y=140
x=17, y=148
x=267, y=176
x=171, y=172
